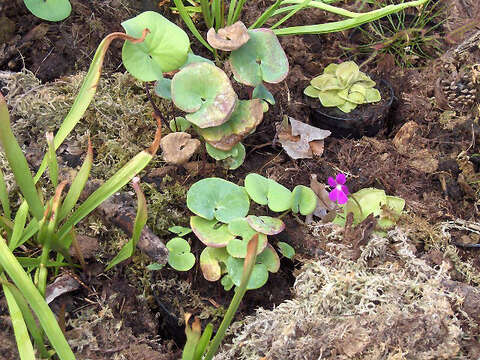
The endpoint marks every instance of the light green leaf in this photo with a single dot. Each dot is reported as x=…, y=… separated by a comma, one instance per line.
x=286, y=250
x=330, y=98
x=179, y=257
x=165, y=48
x=50, y=10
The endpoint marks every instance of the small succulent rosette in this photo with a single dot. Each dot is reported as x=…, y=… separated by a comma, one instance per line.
x=343, y=86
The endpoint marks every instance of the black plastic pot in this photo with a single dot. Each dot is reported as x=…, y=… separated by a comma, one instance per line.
x=364, y=120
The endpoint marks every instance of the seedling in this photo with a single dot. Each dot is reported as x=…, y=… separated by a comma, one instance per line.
x=179, y=256
x=343, y=86
x=50, y=10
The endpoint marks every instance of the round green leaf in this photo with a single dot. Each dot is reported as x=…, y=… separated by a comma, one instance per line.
x=266, y=224
x=257, y=188
x=269, y=258
x=211, y=232
x=217, y=198
x=238, y=248
x=246, y=117
x=279, y=197
x=261, y=59
x=372, y=95
x=165, y=48
x=50, y=10
x=205, y=91
x=268, y=192
x=286, y=250
x=180, y=230
x=235, y=161
x=227, y=282
x=163, y=88
x=326, y=82
x=210, y=260
x=261, y=92
x=179, y=256
x=304, y=200
x=258, y=278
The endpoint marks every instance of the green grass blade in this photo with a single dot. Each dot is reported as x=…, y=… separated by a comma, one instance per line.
x=18, y=225
x=267, y=14
x=52, y=160
x=85, y=95
x=37, y=302
x=24, y=345
x=238, y=11
x=231, y=10
x=207, y=15
x=240, y=291
x=4, y=197
x=77, y=185
x=318, y=5
x=18, y=163
x=29, y=319
x=295, y=9
x=191, y=26
x=34, y=262
x=140, y=220
x=112, y=185
x=349, y=23
x=31, y=229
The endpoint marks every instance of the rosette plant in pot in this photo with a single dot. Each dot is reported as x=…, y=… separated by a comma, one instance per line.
x=348, y=102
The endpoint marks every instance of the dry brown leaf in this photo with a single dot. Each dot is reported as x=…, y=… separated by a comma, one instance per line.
x=63, y=284
x=326, y=209
x=301, y=140
x=178, y=147
x=229, y=38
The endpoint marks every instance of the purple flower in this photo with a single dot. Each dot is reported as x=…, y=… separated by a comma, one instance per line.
x=340, y=191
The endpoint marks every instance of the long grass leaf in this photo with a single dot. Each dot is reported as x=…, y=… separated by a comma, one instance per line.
x=191, y=26
x=18, y=163
x=45, y=316
x=18, y=225
x=231, y=11
x=4, y=197
x=52, y=160
x=77, y=185
x=112, y=185
x=24, y=345
x=140, y=220
x=296, y=9
x=267, y=14
x=86, y=93
x=349, y=23
x=32, y=326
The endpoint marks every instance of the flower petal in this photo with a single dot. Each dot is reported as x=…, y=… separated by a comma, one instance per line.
x=331, y=182
x=345, y=190
x=341, y=178
x=333, y=195
x=341, y=198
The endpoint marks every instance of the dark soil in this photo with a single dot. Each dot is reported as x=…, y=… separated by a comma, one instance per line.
x=418, y=158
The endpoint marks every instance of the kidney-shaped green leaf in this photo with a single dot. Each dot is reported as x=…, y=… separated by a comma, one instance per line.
x=269, y=258
x=211, y=232
x=50, y=10
x=165, y=48
x=304, y=200
x=246, y=117
x=210, y=260
x=205, y=91
x=266, y=224
x=217, y=198
x=232, y=159
x=238, y=247
x=261, y=59
x=258, y=278
x=179, y=256
x=268, y=192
